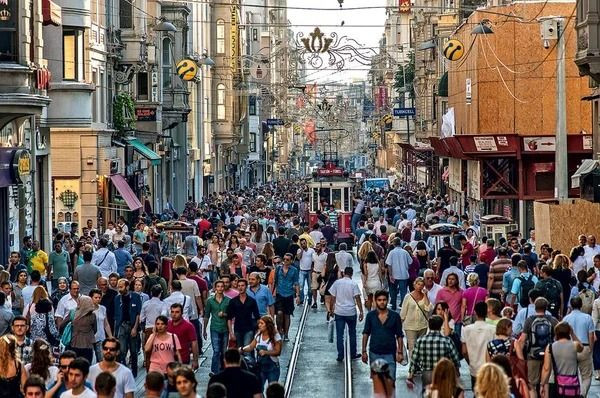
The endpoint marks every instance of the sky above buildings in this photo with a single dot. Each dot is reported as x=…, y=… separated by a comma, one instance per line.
x=363, y=25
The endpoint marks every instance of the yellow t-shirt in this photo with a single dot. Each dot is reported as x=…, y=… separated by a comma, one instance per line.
x=38, y=260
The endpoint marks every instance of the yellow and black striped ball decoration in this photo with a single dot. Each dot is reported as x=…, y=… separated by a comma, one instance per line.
x=454, y=50
x=187, y=69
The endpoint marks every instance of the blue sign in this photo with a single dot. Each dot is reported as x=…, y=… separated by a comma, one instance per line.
x=404, y=111
x=275, y=122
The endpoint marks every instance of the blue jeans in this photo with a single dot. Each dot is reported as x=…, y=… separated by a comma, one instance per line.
x=219, y=342
x=242, y=339
x=340, y=324
x=354, y=222
x=129, y=344
x=398, y=286
x=305, y=279
x=389, y=358
x=269, y=372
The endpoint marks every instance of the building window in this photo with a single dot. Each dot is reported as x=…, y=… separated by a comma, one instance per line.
x=73, y=54
x=220, y=102
x=9, y=31
x=252, y=143
x=126, y=14
x=254, y=34
x=166, y=63
x=102, y=98
x=220, y=36
x=252, y=105
x=95, y=95
x=142, y=86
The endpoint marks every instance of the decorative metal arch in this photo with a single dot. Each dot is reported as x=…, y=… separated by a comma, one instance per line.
x=320, y=50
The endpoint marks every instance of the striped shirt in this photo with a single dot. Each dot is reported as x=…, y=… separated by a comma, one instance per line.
x=496, y=272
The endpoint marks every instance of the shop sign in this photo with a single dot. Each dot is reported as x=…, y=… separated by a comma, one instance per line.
x=502, y=140
x=21, y=166
x=8, y=14
x=234, y=38
x=539, y=144
x=51, y=13
x=404, y=6
x=145, y=114
x=485, y=144
x=473, y=180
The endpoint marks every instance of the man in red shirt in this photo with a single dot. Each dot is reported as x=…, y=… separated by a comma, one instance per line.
x=488, y=254
x=467, y=250
x=186, y=333
x=203, y=225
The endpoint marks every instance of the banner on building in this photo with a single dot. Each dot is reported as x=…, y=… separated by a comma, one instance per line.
x=234, y=39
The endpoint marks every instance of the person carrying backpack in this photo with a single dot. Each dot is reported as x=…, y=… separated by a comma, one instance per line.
x=561, y=360
x=538, y=333
x=585, y=292
x=552, y=291
x=522, y=285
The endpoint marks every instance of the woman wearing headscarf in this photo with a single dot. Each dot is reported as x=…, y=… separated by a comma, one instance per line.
x=84, y=329
x=61, y=291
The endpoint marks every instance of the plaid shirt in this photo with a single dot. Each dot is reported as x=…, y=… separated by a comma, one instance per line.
x=429, y=349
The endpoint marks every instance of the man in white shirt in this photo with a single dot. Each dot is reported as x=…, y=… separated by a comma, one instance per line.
x=204, y=264
x=343, y=258
x=125, y=387
x=66, y=304
x=152, y=308
x=316, y=233
x=398, y=261
x=378, y=224
x=319, y=260
x=453, y=269
x=177, y=296
x=110, y=231
x=77, y=373
x=104, y=259
x=346, y=298
x=305, y=257
x=475, y=339
x=591, y=249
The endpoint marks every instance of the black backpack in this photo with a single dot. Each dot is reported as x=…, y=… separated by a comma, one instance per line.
x=552, y=291
x=526, y=286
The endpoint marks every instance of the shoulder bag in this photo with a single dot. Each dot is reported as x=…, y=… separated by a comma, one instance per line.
x=470, y=319
x=566, y=385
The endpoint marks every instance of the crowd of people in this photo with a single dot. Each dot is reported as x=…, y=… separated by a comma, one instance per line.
x=82, y=320
x=524, y=317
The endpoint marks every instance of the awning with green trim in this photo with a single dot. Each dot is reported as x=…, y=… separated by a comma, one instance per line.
x=443, y=85
x=143, y=150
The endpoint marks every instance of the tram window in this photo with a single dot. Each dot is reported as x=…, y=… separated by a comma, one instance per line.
x=324, y=196
x=336, y=198
x=347, y=199
x=315, y=199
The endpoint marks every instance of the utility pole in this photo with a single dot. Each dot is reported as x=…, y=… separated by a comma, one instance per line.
x=561, y=175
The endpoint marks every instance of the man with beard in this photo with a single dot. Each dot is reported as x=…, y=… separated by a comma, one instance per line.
x=262, y=269
x=125, y=380
x=383, y=332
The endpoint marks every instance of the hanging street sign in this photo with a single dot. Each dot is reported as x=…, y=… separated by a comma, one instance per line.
x=275, y=122
x=404, y=112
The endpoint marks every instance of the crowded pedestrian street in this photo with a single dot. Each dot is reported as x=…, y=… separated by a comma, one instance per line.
x=290, y=199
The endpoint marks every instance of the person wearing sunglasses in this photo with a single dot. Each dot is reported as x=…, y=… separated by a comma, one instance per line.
x=125, y=381
x=60, y=385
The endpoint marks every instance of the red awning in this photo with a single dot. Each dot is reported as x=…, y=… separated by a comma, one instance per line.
x=51, y=13
x=126, y=192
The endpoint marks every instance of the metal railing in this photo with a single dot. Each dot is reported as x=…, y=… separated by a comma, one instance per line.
x=291, y=371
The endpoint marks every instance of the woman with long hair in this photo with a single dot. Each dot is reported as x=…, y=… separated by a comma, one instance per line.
x=364, y=250
x=269, y=252
x=441, y=309
x=178, y=261
x=18, y=287
x=234, y=242
x=562, y=273
x=138, y=287
x=267, y=344
x=140, y=271
x=162, y=347
x=372, y=275
x=12, y=372
x=259, y=238
x=331, y=273
x=212, y=249
x=444, y=383
x=84, y=329
x=423, y=256
x=491, y=382
x=38, y=293
x=577, y=259
x=42, y=362
x=471, y=296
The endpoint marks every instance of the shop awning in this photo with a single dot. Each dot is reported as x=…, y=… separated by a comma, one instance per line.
x=126, y=192
x=443, y=85
x=587, y=166
x=143, y=150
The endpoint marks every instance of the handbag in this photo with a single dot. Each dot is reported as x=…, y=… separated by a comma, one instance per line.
x=67, y=333
x=518, y=365
x=566, y=385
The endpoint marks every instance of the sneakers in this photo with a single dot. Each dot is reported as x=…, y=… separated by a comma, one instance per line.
x=286, y=338
x=314, y=306
x=339, y=359
x=356, y=356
